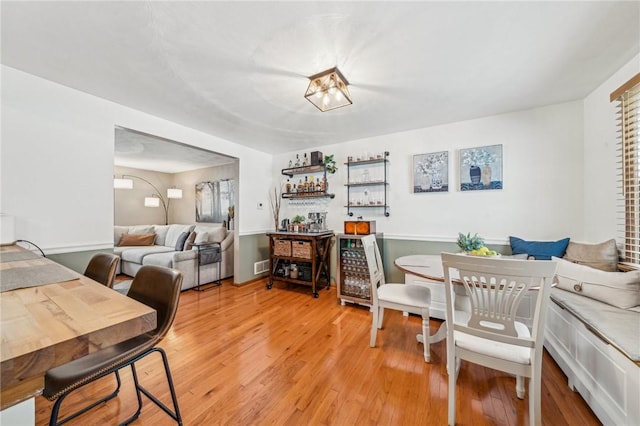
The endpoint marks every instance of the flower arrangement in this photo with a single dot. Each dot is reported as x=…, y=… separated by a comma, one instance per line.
x=477, y=157
x=431, y=163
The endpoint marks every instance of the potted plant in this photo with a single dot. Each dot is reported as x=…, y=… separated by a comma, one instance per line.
x=297, y=221
x=330, y=164
x=467, y=243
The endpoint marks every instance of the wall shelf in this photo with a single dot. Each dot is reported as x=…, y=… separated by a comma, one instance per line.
x=353, y=186
x=306, y=170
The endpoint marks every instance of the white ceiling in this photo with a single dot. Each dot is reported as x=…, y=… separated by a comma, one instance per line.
x=238, y=70
x=148, y=152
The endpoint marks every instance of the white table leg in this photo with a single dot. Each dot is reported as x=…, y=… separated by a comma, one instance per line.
x=440, y=335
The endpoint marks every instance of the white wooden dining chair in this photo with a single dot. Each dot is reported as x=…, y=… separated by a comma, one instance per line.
x=410, y=298
x=490, y=335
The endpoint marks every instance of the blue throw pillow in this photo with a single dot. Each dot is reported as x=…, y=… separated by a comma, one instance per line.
x=540, y=250
x=183, y=238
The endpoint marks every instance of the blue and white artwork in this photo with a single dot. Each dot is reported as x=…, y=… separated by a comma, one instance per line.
x=431, y=172
x=481, y=168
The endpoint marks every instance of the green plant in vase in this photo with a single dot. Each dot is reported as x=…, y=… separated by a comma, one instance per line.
x=330, y=164
x=297, y=223
x=298, y=219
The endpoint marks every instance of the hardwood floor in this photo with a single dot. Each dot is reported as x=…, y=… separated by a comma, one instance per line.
x=252, y=356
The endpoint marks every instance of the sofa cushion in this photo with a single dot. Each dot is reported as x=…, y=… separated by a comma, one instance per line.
x=118, y=232
x=181, y=240
x=540, y=250
x=618, y=327
x=137, y=240
x=167, y=259
x=603, y=256
x=620, y=289
x=174, y=233
x=215, y=234
x=136, y=254
x=199, y=237
x=161, y=234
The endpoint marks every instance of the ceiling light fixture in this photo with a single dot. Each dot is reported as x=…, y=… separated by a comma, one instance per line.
x=328, y=90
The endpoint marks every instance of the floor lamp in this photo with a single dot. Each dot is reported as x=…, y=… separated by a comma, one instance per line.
x=155, y=199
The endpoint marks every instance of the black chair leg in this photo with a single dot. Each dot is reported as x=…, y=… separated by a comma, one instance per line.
x=53, y=420
x=134, y=373
x=175, y=415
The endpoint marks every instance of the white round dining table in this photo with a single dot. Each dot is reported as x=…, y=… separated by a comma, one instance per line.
x=428, y=266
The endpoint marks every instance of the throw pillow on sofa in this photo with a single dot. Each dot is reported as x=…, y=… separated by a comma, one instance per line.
x=603, y=256
x=200, y=237
x=539, y=250
x=181, y=240
x=137, y=240
x=620, y=289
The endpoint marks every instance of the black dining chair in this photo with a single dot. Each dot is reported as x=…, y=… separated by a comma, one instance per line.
x=102, y=268
x=155, y=286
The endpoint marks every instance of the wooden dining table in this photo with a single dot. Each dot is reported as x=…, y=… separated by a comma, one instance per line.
x=52, y=323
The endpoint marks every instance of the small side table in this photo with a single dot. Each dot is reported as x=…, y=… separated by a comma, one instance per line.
x=208, y=253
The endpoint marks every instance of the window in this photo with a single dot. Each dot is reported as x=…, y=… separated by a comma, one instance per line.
x=628, y=105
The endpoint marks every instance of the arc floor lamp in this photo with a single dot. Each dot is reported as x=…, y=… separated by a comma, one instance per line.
x=125, y=182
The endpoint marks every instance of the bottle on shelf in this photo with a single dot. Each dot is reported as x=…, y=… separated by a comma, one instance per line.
x=305, y=161
x=312, y=185
x=297, y=160
x=288, y=186
x=290, y=164
x=306, y=184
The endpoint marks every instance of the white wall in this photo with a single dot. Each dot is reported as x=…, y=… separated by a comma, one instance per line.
x=57, y=162
x=600, y=139
x=542, y=196
x=186, y=213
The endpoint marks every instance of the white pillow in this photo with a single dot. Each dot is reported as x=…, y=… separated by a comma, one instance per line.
x=201, y=237
x=161, y=234
x=217, y=234
x=621, y=289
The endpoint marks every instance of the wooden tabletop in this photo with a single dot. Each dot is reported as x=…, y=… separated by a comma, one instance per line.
x=46, y=326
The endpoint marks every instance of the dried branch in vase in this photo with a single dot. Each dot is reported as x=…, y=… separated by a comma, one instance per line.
x=275, y=206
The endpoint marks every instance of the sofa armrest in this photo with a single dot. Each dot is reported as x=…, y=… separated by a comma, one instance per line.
x=180, y=256
x=227, y=242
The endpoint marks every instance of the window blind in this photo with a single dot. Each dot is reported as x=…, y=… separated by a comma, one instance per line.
x=627, y=99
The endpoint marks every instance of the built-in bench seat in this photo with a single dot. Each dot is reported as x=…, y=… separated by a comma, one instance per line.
x=598, y=347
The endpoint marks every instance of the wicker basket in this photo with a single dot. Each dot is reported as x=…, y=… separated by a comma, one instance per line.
x=282, y=247
x=301, y=249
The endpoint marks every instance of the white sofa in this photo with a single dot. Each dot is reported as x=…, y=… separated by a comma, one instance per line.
x=163, y=251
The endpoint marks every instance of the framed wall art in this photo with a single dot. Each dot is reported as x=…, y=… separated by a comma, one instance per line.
x=215, y=202
x=431, y=172
x=481, y=168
